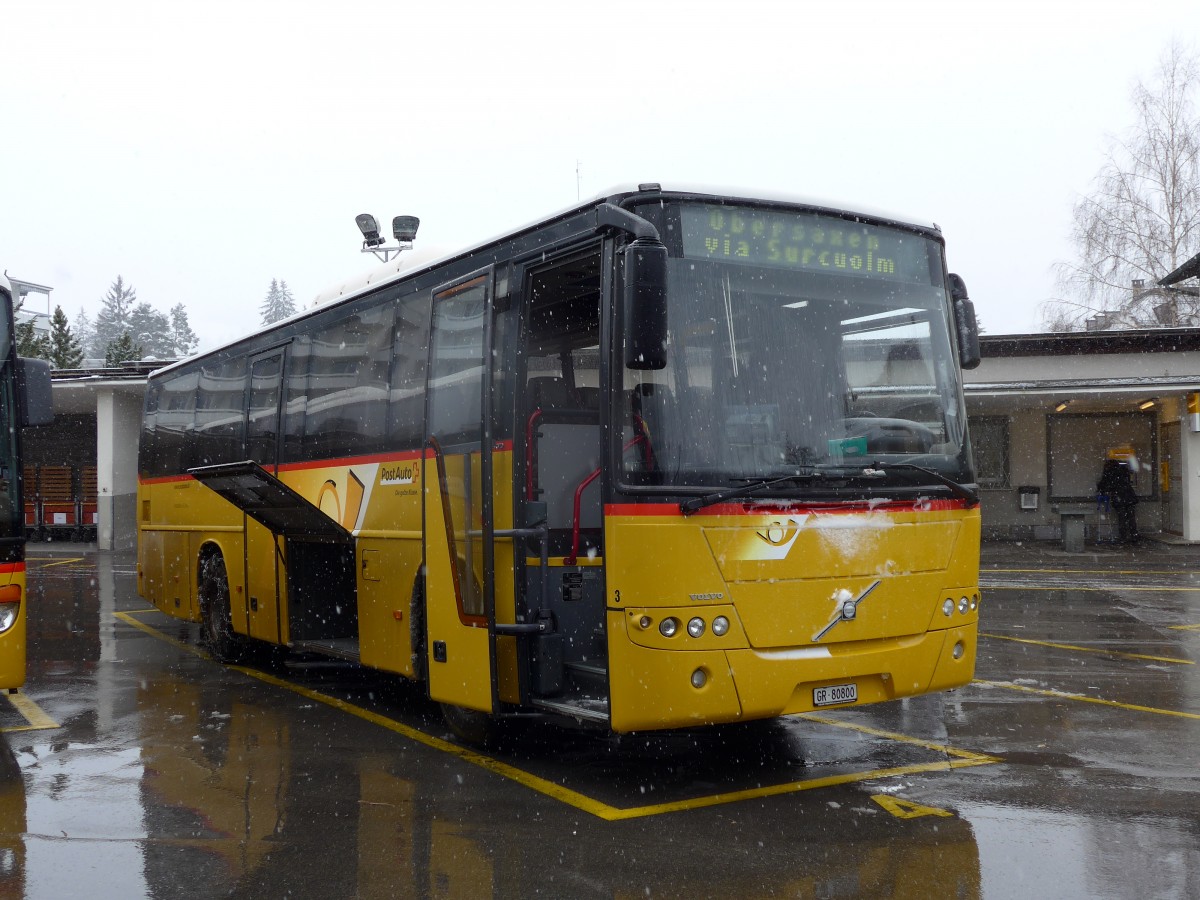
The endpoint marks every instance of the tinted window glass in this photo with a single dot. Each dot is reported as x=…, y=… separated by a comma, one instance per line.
x=175, y=422
x=346, y=392
x=220, y=405
x=262, y=424
x=407, y=395
x=456, y=380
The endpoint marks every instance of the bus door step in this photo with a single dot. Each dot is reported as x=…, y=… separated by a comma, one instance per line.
x=342, y=648
x=583, y=709
x=587, y=672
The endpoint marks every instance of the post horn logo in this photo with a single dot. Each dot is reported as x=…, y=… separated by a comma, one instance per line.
x=780, y=535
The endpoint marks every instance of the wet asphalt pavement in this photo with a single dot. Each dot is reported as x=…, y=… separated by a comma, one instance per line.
x=135, y=766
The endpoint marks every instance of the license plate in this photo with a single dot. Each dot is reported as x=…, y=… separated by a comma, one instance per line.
x=835, y=693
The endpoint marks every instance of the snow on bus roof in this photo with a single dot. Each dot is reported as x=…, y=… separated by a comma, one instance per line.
x=411, y=262
x=414, y=261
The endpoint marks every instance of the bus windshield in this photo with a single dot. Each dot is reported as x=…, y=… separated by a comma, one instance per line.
x=798, y=342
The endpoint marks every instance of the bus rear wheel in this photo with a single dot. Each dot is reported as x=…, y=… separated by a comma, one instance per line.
x=223, y=642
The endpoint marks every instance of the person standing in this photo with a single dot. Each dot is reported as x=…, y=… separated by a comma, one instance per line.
x=1117, y=483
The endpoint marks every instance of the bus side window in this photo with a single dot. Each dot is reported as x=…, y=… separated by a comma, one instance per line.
x=175, y=422
x=219, y=420
x=410, y=353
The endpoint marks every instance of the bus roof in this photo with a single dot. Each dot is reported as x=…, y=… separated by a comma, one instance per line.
x=415, y=261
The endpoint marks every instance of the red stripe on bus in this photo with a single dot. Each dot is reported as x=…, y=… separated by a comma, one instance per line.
x=773, y=509
x=11, y=568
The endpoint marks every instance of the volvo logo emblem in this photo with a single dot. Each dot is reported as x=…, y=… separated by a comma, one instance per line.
x=847, y=612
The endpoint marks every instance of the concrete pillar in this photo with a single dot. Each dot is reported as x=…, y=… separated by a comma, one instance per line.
x=1190, y=450
x=118, y=422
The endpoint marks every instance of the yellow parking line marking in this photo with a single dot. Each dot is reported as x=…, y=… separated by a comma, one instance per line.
x=962, y=758
x=1063, y=695
x=1100, y=650
x=906, y=809
x=31, y=712
x=1185, y=627
x=980, y=759
x=57, y=561
x=986, y=571
x=128, y=619
x=1075, y=587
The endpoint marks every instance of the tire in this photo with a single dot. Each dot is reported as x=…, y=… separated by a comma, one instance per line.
x=225, y=645
x=470, y=726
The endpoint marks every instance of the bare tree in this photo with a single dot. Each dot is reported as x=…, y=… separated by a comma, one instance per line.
x=1142, y=219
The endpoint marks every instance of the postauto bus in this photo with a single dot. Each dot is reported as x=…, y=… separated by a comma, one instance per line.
x=24, y=400
x=662, y=459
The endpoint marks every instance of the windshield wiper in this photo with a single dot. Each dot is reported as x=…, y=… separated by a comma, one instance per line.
x=833, y=473
x=687, y=507
x=959, y=490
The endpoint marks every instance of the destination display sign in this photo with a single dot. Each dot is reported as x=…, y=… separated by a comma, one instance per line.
x=805, y=241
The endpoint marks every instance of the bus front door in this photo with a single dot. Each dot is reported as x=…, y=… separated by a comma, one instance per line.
x=459, y=594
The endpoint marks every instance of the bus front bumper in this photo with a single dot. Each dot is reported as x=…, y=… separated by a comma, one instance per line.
x=655, y=689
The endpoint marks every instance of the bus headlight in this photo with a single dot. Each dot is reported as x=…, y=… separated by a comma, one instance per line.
x=8, y=615
x=668, y=626
x=963, y=605
x=948, y=606
x=720, y=626
x=696, y=627
x=699, y=678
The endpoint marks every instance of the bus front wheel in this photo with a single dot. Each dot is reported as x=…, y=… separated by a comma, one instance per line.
x=469, y=725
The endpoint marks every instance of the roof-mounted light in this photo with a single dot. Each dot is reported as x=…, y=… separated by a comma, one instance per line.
x=403, y=227
x=370, y=230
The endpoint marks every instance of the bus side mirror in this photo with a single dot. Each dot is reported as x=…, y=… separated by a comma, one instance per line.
x=35, y=404
x=969, y=354
x=646, y=305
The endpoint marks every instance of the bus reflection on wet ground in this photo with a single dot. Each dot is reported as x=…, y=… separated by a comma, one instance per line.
x=167, y=774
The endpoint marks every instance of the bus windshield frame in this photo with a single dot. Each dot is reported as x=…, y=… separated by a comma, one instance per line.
x=800, y=343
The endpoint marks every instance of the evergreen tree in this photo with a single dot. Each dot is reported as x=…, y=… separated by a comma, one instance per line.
x=287, y=303
x=85, y=332
x=113, y=319
x=150, y=330
x=279, y=303
x=65, y=352
x=182, y=336
x=123, y=349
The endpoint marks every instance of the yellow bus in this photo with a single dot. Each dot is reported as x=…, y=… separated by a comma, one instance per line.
x=666, y=458
x=24, y=400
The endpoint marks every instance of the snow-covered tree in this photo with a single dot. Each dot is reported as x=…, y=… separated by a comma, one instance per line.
x=122, y=349
x=65, y=352
x=1142, y=219
x=279, y=303
x=113, y=319
x=182, y=336
x=151, y=331
x=85, y=332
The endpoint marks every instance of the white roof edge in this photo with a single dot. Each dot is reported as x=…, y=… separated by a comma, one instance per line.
x=414, y=261
x=426, y=258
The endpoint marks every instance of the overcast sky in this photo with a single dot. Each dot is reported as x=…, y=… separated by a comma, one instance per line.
x=200, y=150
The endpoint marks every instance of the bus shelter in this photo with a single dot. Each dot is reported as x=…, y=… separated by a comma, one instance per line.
x=1047, y=411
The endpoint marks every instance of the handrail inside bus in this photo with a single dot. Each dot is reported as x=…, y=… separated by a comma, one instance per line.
x=576, y=516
